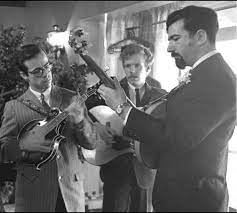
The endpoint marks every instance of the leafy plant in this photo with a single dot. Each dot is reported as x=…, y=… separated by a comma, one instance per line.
x=11, y=39
x=7, y=192
x=11, y=84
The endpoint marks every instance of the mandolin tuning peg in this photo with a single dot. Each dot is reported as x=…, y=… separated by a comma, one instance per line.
x=79, y=32
x=107, y=68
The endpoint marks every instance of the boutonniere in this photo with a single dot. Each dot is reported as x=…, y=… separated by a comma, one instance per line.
x=185, y=79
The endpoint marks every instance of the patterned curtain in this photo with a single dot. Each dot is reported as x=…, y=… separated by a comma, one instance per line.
x=148, y=25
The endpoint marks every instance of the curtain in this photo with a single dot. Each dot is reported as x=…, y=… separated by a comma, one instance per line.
x=164, y=68
x=148, y=25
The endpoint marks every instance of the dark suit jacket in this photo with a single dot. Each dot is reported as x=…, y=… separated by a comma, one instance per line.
x=191, y=141
x=38, y=190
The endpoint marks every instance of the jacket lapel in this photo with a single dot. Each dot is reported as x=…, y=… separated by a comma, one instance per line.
x=30, y=96
x=147, y=95
x=124, y=85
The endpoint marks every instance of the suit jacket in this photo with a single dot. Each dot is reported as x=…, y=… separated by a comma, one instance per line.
x=38, y=190
x=145, y=176
x=191, y=141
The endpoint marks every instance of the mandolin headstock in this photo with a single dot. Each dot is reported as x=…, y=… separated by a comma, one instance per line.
x=78, y=42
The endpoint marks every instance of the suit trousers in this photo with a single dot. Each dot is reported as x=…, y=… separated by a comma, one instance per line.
x=60, y=205
x=121, y=190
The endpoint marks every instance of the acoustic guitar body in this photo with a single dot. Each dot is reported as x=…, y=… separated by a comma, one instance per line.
x=104, y=153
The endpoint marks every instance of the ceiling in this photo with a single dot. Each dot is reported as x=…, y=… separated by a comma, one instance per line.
x=13, y=3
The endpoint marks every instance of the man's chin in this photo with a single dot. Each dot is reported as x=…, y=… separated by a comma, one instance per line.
x=135, y=82
x=180, y=64
x=46, y=85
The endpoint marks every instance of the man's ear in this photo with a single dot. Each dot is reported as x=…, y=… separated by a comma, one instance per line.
x=148, y=69
x=23, y=75
x=201, y=36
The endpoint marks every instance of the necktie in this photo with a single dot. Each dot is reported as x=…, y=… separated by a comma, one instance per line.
x=138, y=101
x=44, y=103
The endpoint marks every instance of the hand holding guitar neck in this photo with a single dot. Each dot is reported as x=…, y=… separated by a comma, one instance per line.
x=113, y=97
x=79, y=46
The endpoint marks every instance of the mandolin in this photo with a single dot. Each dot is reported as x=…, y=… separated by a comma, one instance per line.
x=49, y=129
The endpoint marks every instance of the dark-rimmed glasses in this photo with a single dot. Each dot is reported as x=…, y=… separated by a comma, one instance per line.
x=39, y=71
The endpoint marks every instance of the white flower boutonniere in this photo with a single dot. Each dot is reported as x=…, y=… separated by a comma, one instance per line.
x=185, y=79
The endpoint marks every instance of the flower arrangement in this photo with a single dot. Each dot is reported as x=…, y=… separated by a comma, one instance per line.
x=74, y=78
x=185, y=79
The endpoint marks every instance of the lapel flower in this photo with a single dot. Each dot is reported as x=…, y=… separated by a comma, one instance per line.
x=184, y=79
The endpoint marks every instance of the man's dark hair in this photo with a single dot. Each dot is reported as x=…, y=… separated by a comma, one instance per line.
x=196, y=18
x=132, y=49
x=27, y=52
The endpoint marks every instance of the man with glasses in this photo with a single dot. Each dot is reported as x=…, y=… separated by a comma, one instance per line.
x=58, y=186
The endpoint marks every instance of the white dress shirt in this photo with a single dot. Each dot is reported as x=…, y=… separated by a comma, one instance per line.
x=46, y=94
x=204, y=57
x=132, y=93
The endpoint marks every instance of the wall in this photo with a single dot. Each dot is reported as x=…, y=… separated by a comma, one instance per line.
x=12, y=15
x=39, y=16
x=65, y=13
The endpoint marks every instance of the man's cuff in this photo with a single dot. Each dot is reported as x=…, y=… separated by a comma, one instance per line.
x=25, y=156
x=125, y=115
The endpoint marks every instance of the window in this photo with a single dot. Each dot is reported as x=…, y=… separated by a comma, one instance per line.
x=227, y=45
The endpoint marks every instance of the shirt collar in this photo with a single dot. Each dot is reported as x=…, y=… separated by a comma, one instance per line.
x=46, y=93
x=204, y=57
x=133, y=88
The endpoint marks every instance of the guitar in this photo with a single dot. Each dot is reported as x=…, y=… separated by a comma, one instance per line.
x=103, y=153
x=49, y=129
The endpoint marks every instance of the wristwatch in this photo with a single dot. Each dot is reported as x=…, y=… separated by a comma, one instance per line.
x=120, y=108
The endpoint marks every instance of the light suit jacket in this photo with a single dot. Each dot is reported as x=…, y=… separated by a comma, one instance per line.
x=38, y=190
x=190, y=143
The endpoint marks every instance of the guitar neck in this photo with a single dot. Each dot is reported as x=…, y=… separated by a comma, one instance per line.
x=107, y=81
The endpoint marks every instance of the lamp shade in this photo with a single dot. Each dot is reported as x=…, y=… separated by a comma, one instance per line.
x=58, y=38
